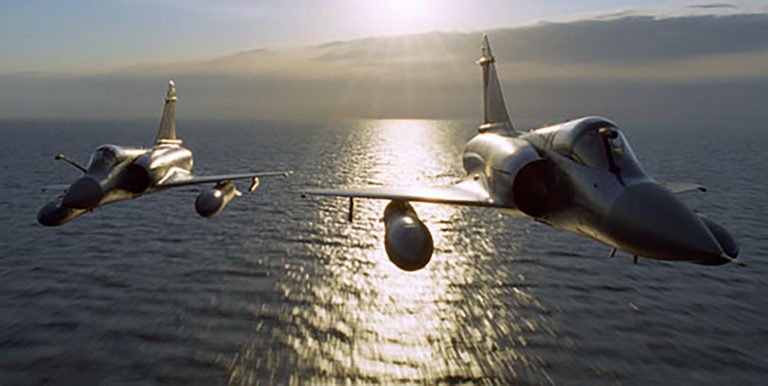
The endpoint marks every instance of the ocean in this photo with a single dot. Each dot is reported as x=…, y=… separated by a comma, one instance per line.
x=283, y=289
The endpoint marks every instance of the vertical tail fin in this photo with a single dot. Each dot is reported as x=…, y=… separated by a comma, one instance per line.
x=495, y=110
x=167, y=132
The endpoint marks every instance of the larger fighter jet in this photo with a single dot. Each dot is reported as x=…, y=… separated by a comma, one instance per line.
x=116, y=173
x=580, y=176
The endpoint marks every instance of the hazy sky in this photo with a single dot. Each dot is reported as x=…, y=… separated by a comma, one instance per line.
x=72, y=35
x=330, y=59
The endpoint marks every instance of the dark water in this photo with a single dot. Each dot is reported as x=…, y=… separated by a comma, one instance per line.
x=278, y=289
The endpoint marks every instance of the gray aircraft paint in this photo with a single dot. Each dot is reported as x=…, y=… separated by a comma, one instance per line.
x=115, y=173
x=580, y=176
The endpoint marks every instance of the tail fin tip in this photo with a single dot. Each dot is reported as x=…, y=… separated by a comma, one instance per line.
x=166, y=134
x=485, y=48
x=171, y=90
x=495, y=116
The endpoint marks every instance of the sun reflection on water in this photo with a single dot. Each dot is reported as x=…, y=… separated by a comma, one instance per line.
x=355, y=316
x=397, y=317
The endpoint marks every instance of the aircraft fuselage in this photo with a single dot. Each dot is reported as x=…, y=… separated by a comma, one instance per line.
x=582, y=176
x=116, y=173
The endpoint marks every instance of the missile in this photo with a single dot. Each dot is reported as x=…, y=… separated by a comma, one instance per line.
x=407, y=240
x=210, y=202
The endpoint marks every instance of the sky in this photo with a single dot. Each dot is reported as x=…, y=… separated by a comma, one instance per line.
x=386, y=58
x=71, y=35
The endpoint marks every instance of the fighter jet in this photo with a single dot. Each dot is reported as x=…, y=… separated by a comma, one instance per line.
x=580, y=176
x=116, y=173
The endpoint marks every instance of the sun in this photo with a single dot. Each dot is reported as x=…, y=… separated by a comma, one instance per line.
x=392, y=17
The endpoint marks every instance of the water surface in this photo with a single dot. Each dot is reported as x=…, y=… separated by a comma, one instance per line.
x=283, y=289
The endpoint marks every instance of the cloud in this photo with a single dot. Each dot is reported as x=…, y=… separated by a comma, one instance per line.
x=713, y=6
x=225, y=8
x=637, y=66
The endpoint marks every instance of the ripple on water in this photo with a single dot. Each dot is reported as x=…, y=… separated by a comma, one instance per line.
x=279, y=289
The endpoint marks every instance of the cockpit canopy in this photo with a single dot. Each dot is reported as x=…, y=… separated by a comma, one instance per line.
x=104, y=158
x=599, y=144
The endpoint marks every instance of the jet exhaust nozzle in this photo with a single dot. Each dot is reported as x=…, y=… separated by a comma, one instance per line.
x=407, y=240
x=85, y=193
x=211, y=202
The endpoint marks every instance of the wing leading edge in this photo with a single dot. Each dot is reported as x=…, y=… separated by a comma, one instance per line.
x=469, y=192
x=196, y=180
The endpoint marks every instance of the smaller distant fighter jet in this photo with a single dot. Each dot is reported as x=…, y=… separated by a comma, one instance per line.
x=116, y=173
x=580, y=176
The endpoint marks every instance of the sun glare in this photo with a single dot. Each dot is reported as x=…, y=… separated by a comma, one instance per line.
x=390, y=17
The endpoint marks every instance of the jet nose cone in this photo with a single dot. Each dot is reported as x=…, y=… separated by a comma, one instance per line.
x=649, y=220
x=50, y=214
x=85, y=193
